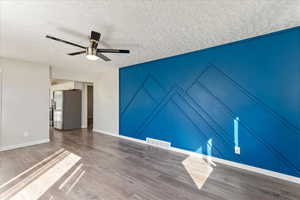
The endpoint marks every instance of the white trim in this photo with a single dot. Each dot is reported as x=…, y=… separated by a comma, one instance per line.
x=5, y=148
x=106, y=132
x=217, y=160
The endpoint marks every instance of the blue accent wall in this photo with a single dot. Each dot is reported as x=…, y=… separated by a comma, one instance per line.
x=192, y=101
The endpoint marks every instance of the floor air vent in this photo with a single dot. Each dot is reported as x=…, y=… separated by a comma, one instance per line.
x=158, y=143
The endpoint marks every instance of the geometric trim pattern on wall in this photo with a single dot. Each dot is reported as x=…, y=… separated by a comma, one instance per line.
x=211, y=112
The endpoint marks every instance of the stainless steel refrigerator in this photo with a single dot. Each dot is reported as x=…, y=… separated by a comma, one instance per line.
x=67, y=109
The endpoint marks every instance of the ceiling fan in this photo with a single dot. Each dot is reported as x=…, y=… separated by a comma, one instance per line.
x=92, y=53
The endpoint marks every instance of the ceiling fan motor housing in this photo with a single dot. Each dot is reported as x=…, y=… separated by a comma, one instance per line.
x=91, y=51
x=94, y=43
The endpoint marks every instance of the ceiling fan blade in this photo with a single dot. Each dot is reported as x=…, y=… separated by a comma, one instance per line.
x=100, y=55
x=64, y=41
x=76, y=53
x=113, y=51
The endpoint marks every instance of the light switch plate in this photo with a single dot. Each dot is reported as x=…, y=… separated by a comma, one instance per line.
x=237, y=150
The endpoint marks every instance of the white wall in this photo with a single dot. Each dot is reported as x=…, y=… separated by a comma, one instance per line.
x=63, y=74
x=25, y=103
x=106, y=102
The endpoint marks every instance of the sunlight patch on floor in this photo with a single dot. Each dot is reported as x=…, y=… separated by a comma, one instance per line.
x=198, y=169
x=31, y=168
x=75, y=182
x=70, y=177
x=35, y=181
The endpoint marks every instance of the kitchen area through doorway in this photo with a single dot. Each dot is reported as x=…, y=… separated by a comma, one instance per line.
x=70, y=105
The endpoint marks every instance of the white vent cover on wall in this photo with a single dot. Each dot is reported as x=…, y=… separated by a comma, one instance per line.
x=159, y=143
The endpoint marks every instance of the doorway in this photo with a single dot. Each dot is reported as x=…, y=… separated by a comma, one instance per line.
x=85, y=109
x=90, y=106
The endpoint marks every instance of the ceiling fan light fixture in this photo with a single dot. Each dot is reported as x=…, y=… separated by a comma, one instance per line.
x=92, y=57
x=91, y=54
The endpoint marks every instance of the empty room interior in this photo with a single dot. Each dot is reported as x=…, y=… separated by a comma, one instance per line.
x=149, y=100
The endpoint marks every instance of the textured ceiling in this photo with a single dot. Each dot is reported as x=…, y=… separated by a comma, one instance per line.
x=151, y=29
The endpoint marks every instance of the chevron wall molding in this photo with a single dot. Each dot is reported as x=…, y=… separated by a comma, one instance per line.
x=193, y=101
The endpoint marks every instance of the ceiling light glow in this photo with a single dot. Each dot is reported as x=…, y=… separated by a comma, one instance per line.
x=91, y=53
x=92, y=57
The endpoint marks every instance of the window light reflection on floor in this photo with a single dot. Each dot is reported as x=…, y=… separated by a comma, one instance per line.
x=198, y=169
x=200, y=166
x=35, y=181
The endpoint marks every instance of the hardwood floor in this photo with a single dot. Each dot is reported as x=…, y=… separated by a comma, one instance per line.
x=86, y=166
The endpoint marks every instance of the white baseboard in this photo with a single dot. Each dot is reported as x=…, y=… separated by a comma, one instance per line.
x=105, y=132
x=214, y=159
x=10, y=147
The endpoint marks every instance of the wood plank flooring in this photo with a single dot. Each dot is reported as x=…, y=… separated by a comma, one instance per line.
x=89, y=166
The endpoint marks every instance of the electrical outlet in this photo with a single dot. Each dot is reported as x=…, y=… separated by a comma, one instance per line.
x=237, y=150
x=26, y=134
